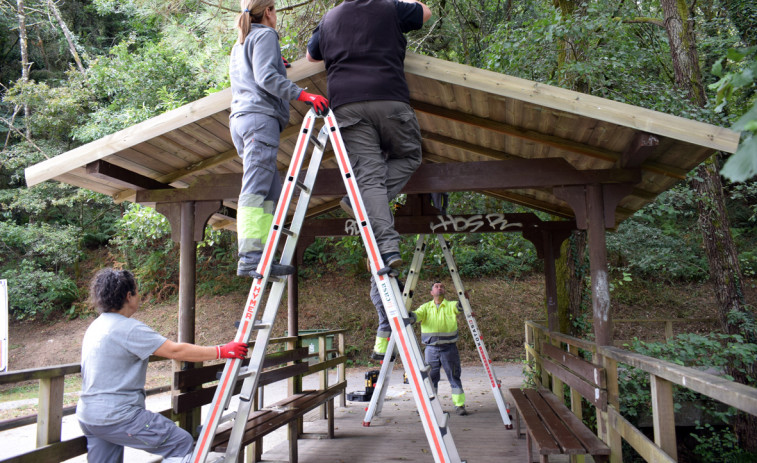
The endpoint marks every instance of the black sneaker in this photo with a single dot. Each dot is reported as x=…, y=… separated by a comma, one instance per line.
x=379, y=356
x=250, y=270
x=461, y=410
x=346, y=206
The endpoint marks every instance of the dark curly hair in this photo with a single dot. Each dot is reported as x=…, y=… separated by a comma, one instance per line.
x=109, y=289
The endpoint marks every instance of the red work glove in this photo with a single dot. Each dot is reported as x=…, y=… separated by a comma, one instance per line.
x=286, y=63
x=232, y=350
x=319, y=103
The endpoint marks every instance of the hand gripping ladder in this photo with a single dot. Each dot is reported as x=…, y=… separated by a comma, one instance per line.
x=433, y=419
x=374, y=408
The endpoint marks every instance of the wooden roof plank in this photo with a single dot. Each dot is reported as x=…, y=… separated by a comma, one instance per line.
x=667, y=125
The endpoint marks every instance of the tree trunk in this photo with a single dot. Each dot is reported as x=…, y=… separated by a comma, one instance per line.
x=713, y=217
x=25, y=64
x=571, y=282
x=67, y=33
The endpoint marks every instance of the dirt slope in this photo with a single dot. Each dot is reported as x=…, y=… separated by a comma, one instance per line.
x=333, y=301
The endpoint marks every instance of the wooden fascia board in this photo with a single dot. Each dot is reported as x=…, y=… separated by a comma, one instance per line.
x=594, y=107
x=151, y=128
x=429, y=178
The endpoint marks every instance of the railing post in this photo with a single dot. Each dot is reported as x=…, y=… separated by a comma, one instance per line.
x=668, y=330
x=324, y=373
x=663, y=416
x=50, y=412
x=557, y=384
x=342, y=371
x=576, y=406
x=609, y=434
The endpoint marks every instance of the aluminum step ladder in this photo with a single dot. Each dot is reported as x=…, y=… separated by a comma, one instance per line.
x=382, y=384
x=434, y=420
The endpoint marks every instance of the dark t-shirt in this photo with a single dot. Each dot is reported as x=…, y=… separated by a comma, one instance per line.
x=363, y=46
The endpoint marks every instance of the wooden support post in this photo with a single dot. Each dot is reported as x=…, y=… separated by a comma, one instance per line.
x=187, y=284
x=550, y=281
x=600, y=285
x=663, y=417
x=50, y=412
x=188, y=220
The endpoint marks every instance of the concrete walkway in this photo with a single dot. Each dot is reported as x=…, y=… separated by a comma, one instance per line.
x=399, y=407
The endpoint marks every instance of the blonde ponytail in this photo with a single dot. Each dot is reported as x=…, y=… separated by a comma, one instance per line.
x=252, y=12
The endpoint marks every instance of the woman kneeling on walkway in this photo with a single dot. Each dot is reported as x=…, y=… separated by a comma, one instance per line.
x=115, y=351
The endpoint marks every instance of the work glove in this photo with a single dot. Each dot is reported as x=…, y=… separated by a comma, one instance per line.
x=232, y=350
x=319, y=103
x=286, y=63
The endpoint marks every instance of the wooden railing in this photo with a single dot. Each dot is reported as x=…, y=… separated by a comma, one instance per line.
x=50, y=410
x=612, y=427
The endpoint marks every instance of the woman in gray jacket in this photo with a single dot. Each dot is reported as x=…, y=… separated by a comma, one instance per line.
x=260, y=93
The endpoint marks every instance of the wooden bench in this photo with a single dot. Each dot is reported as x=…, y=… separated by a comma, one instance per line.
x=552, y=426
x=289, y=411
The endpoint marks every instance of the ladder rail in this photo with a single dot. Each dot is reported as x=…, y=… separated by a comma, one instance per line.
x=432, y=417
x=225, y=388
x=272, y=305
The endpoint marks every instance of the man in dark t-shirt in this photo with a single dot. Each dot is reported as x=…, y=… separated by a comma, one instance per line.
x=363, y=45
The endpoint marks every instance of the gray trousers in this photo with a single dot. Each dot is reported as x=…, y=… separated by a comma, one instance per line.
x=383, y=140
x=448, y=357
x=148, y=431
x=384, y=328
x=256, y=138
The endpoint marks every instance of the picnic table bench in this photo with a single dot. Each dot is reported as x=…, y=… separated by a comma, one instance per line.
x=552, y=426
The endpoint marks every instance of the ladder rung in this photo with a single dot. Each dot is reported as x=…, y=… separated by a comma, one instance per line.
x=276, y=279
x=287, y=232
x=317, y=142
x=443, y=421
x=227, y=417
x=303, y=187
x=261, y=326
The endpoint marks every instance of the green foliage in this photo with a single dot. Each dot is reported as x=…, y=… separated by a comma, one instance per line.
x=47, y=245
x=661, y=241
x=719, y=446
x=35, y=292
x=739, y=82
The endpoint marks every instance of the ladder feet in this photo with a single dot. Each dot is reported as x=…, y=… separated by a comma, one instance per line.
x=366, y=424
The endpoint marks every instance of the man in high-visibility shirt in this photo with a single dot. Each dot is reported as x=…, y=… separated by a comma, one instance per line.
x=438, y=319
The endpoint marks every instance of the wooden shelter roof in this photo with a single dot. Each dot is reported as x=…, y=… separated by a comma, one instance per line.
x=533, y=137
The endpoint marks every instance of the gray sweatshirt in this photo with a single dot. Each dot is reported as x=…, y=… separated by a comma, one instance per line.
x=258, y=76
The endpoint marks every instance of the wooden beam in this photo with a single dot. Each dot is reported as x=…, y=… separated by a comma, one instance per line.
x=464, y=223
x=538, y=137
x=124, y=177
x=428, y=178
